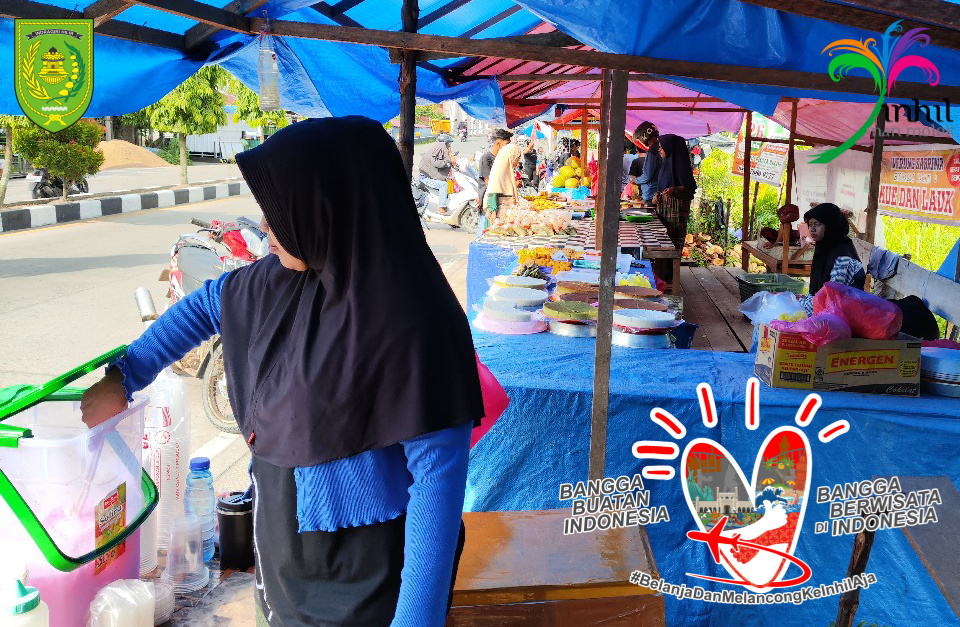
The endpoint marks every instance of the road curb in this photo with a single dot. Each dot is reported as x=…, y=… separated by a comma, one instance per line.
x=46, y=215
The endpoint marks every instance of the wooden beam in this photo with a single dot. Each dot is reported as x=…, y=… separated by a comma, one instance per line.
x=785, y=229
x=819, y=141
x=745, y=219
x=850, y=601
x=200, y=12
x=410, y=15
x=496, y=19
x=199, y=33
x=594, y=101
x=103, y=11
x=537, y=39
x=614, y=117
x=942, y=19
x=327, y=11
x=873, y=196
x=440, y=12
x=691, y=109
x=344, y=5
x=119, y=30
x=917, y=139
x=791, y=79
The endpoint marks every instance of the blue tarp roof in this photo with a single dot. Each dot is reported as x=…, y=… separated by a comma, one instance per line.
x=322, y=78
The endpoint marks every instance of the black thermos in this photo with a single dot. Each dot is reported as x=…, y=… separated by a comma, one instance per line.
x=235, y=518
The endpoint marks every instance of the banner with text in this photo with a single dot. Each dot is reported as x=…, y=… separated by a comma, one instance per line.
x=767, y=161
x=921, y=185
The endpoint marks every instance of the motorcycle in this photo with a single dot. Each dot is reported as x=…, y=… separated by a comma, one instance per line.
x=461, y=204
x=46, y=186
x=217, y=247
x=463, y=134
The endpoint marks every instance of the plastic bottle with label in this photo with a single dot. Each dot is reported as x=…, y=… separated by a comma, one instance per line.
x=201, y=502
x=269, y=73
x=23, y=608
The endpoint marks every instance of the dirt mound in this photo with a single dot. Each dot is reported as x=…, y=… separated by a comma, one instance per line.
x=120, y=154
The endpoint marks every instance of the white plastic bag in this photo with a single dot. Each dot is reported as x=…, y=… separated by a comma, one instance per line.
x=124, y=603
x=763, y=307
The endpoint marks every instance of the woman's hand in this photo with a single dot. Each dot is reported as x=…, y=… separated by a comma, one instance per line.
x=104, y=399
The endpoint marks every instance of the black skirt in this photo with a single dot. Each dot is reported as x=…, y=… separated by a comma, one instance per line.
x=346, y=578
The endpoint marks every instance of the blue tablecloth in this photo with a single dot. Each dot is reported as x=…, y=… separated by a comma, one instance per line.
x=543, y=440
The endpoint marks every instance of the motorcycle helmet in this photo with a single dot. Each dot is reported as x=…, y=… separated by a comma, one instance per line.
x=445, y=138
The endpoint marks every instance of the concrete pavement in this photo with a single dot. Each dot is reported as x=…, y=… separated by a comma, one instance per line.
x=66, y=295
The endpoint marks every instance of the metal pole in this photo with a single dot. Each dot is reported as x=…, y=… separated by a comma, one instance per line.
x=615, y=113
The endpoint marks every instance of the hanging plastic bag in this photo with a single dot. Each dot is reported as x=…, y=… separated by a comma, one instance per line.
x=764, y=307
x=495, y=401
x=869, y=316
x=819, y=329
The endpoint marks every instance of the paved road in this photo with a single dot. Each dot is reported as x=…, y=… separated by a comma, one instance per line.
x=66, y=295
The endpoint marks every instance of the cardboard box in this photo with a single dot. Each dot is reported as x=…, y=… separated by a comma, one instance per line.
x=786, y=360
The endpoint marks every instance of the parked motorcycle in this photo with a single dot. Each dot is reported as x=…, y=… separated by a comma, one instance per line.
x=461, y=204
x=46, y=186
x=217, y=247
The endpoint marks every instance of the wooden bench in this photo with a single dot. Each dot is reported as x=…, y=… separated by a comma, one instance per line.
x=518, y=569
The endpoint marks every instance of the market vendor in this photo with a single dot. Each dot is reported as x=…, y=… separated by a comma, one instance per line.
x=502, y=186
x=647, y=136
x=834, y=256
x=332, y=349
x=501, y=137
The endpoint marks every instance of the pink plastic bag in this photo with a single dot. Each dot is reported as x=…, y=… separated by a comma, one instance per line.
x=495, y=401
x=819, y=329
x=869, y=316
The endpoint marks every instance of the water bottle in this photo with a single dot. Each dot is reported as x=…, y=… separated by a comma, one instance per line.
x=269, y=75
x=201, y=501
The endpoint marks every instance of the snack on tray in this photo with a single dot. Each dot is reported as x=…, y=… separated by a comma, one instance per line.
x=634, y=291
x=636, y=303
x=579, y=297
x=564, y=287
x=569, y=311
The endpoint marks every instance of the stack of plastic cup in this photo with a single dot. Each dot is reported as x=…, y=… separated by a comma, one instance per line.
x=148, y=545
x=163, y=610
x=186, y=570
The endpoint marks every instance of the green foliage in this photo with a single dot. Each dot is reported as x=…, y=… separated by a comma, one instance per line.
x=717, y=181
x=170, y=152
x=248, y=107
x=195, y=106
x=434, y=112
x=138, y=119
x=69, y=154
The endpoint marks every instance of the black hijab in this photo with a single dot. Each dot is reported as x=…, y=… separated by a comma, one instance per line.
x=834, y=244
x=368, y=346
x=676, y=170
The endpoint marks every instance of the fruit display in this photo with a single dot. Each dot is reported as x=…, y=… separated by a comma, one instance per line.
x=522, y=222
x=542, y=204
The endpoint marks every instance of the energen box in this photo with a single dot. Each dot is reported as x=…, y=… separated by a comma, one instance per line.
x=855, y=365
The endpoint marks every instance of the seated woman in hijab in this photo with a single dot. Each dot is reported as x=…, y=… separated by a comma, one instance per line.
x=502, y=184
x=331, y=351
x=834, y=257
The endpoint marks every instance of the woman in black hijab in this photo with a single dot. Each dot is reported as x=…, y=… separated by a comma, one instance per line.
x=834, y=256
x=352, y=376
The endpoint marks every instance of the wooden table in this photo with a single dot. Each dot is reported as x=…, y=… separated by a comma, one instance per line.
x=774, y=261
x=519, y=569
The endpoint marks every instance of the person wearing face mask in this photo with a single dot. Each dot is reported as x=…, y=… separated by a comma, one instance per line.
x=331, y=352
x=501, y=137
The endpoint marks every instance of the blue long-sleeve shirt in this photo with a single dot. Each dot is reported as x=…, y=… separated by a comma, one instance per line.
x=424, y=476
x=649, y=181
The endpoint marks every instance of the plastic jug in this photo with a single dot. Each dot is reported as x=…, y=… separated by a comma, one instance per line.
x=24, y=608
x=72, y=497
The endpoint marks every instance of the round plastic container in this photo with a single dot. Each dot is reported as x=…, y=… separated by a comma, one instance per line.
x=84, y=486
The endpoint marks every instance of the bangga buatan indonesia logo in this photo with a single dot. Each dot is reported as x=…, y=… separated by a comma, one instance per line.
x=885, y=62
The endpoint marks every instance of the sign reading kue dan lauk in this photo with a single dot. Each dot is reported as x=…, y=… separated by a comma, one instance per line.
x=921, y=185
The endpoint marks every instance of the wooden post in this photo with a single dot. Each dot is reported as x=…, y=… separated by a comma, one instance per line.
x=849, y=602
x=874, y=197
x=615, y=114
x=745, y=221
x=410, y=14
x=601, y=162
x=785, y=228
x=584, y=134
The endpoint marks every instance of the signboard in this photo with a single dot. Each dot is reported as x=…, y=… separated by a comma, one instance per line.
x=767, y=161
x=921, y=185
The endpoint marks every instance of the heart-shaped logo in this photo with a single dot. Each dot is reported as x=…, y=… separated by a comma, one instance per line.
x=751, y=529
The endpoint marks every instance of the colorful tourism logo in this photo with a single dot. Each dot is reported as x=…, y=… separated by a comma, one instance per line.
x=885, y=63
x=54, y=70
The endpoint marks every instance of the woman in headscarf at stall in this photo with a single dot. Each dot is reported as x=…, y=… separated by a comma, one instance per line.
x=834, y=256
x=502, y=185
x=676, y=185
x=353, y=378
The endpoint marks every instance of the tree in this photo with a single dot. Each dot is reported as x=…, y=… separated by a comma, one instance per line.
x=70, y=154
x=10, y=124
x=194, y=107
x=248, y=108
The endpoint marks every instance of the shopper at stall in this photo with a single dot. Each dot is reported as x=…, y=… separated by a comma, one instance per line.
x=676, y=186
x=501, y=137
x=332, y=349
x=834, y=256
x=435, y=166
x=648, y=180
x=528, y=167
x=502, y=188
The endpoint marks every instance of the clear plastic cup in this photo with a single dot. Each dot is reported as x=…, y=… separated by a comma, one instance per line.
x=185, y=568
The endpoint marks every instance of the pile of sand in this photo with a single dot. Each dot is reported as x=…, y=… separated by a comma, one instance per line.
x=120, y=154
